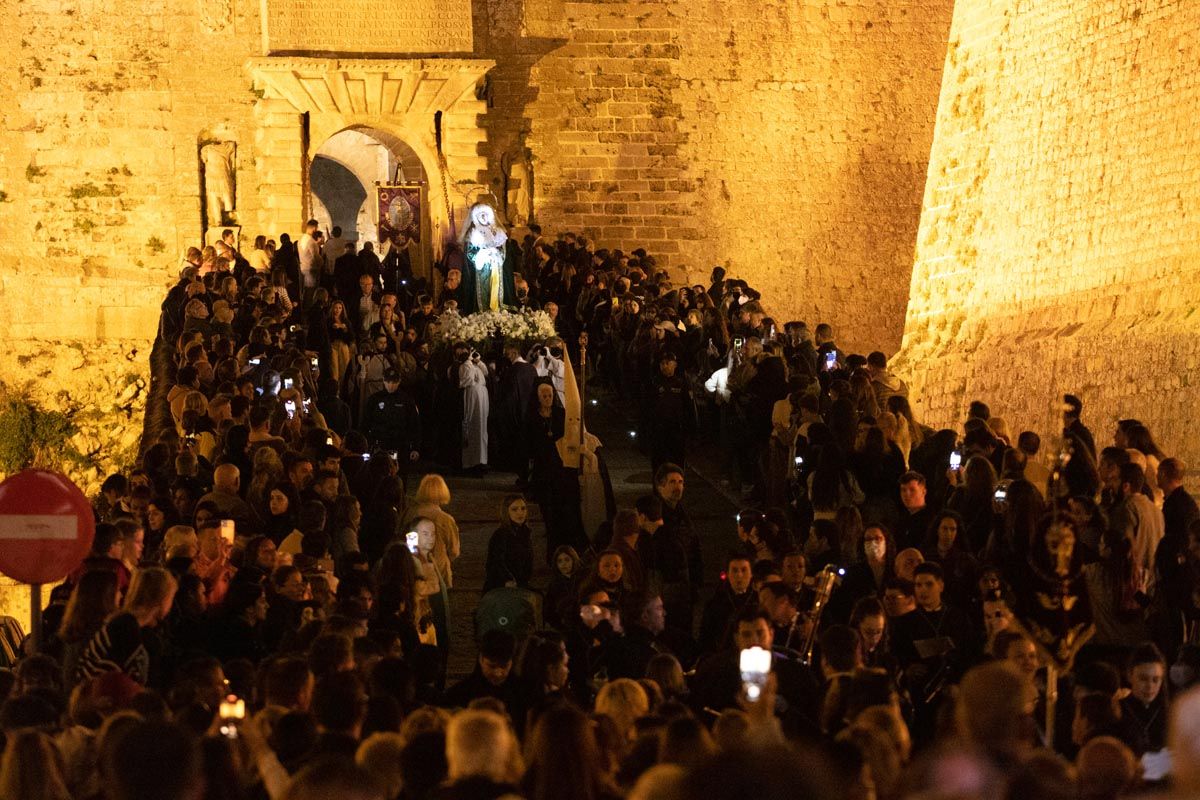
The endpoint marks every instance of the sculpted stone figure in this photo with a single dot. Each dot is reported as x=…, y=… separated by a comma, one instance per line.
x=218, y=180
x=519, y=191
x=483, y=243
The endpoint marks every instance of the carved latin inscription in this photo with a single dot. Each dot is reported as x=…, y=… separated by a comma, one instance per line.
x=367, y=26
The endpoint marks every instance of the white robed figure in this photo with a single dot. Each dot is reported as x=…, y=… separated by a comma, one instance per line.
x=483, y=245
x=472, y=379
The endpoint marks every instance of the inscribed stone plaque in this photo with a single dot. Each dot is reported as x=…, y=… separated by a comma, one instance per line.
x=367, y=26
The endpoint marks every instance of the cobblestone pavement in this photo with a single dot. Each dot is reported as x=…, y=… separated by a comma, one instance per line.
x=475, y=503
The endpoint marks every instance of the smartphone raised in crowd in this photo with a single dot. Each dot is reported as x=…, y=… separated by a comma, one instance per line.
x=755, y=665
x=955, y=459
x=232, y=713
x=228, y=530
x=411, y=540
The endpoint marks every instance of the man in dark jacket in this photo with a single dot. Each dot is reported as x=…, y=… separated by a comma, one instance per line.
x=676, y=549
x=731, y=598
x=647, y=635
x=718, y=681
x=391, y=420
x=514, y=399
x=933, y=642
x=1178, y=508
x=1074, y=427
x=1178, y=511
x=492, y=676
x=346, y=271
x=671, y=412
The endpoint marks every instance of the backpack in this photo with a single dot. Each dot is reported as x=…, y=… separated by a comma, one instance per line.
x=509, y=608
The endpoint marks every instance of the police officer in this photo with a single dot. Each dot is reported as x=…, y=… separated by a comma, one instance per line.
x=672, y=413
x=391, y=420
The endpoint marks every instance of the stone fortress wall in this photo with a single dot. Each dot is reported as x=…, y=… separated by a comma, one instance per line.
x=787, y=142
x=101, y=113
x=1057, y=247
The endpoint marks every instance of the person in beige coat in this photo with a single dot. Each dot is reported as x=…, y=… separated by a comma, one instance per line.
x=432, y=496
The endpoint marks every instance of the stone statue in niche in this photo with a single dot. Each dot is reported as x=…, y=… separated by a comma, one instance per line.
x=217, y=158
x=489, y=278
x=518, y=189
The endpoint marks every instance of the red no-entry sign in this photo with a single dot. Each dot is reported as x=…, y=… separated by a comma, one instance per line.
x=46, y=526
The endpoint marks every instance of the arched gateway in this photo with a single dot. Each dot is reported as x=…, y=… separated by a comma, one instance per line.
x=321, y=121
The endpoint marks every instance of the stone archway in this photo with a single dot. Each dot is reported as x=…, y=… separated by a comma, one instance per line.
x=343, y=172
x=428, y=104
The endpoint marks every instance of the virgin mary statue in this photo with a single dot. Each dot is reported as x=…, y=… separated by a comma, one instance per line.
x=489, y=275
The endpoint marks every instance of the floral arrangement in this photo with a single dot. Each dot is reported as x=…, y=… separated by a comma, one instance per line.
x=523, y=328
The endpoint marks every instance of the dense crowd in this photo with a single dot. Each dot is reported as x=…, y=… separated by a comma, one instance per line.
x=907, y=613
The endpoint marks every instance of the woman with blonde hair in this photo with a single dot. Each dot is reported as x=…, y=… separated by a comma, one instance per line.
x=192, y=401
x=915, y=432
x=892, y=435
x=125, y=643
x=624, y=701
x=432, y=496
x=32, y=768
x=999, y=429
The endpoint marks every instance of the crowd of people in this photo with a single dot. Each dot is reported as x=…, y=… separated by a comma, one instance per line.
x=907, y=612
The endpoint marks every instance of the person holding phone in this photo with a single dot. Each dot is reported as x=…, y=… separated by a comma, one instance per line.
x=432, y=496
x=719, y=681
x=433, y=587
x=212, y=561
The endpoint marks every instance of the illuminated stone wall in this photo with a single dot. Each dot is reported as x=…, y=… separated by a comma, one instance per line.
x=101, y=115
x=103, y=110
x=1057, y=246
x=787, y=141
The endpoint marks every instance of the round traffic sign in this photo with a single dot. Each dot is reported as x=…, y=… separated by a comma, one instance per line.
x=46, y=526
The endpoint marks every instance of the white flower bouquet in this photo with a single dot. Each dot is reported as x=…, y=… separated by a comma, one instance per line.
x=523, y=328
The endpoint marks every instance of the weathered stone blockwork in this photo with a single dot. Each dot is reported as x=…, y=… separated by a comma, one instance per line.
x=787, y=141
x=101, y=115
x=1057, y=247
x=102, y=112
